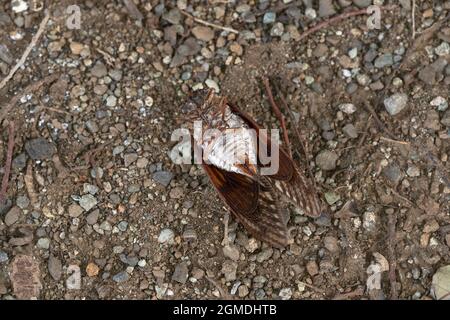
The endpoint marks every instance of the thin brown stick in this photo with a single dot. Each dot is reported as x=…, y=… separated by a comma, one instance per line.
x=5, y=109
x=27, y=51
x=338, y=18
x=405, y=143
x=209, y=24
x=392, y=221
x=380, y=124
x=9, y=154
x=278, y=114
x=29, y=185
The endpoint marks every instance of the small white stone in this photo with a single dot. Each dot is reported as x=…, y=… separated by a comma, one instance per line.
x=353, y=53
x=148, y=101
x=440, y=103
x=166, y=236
x=347, y=108
x=311, y=13
x=212, y=84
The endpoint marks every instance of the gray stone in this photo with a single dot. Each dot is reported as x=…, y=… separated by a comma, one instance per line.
x=331, y=244
x=393, y=173
x=362, y=3
x=326, y=160
x=111, y=101
x=54, y=267
x=73, y=282
x=3, y=256
x=88, y=201
x=385, y=60
x=163, y=177
x=99, y=70
x=229, y=269
x=396, y=103
x=43, y=243
x=12, y=216
x=181, y=273
x=22, y=202
x=123, y=225
x=350, y=131
x=19, y=162
x=5, y=55
x=269, y=17
x=92, y=217
x=129, y=158
x=39, y=149
x=231, y=252
x=264, y=255
x=326, y=8
x=277, y=30
x=446, y=118
x=173, y=16
x=75, y=210
x=121, y=277
x=166, y=236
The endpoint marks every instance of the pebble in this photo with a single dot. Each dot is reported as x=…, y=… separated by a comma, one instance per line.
x=269, y=17
x=111, y=101
x=212, y=85
x=3, y=256
x=264, y=255
x=73, y=282
x=99, y=70
x=395, y=103
x=92, y=269
x=385, y=60
x=413, y=171
x=121, y=277
x=231, y=252
x=326, y=8
x=22, y=202
x=54, y=267
x=44, y=243
x=229, y=269
x=446, y=118
x=20, y=161
x=123, y=225
x=75, y=210
x=440, y=103
x=332, y=197
x=443, y=49
x=12, y=216
x=441, y=283
x=277, y=30
x=76, y=47
x=312, y=268
x=326, y=160
x=39, y=149
x=369, y=221
x=393, y=173
x=203, y=33
x=166, y=236
x=88, y=201
x=331, y=244
x=181, y=273
x=285, y=293
x=5, y=55
x=129, y=158
x=93, y=217
x=311, y=13
x=350, y=131
x=347, y=108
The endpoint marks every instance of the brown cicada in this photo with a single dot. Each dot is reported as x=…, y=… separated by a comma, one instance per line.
x=240, y=172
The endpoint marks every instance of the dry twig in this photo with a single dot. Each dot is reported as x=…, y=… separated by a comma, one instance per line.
x=206, y=23
x=338, y=18
x=278, y=114
x=413, y=18
x=29, y=185
x=4, y=110
x=392, y=221
x=30, y=47
x=9, y=154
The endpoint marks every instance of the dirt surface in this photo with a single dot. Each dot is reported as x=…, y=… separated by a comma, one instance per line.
x=96, y=209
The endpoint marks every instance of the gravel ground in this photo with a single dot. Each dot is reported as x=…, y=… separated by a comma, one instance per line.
x=96, y=209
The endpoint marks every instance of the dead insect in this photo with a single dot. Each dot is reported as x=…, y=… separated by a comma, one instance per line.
x=253, y=197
